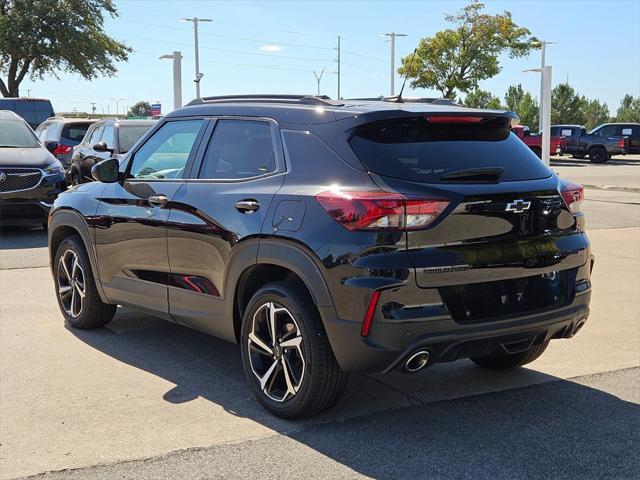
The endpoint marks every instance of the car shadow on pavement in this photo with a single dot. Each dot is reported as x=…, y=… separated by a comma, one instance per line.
x=395, y=426
x=22, y=237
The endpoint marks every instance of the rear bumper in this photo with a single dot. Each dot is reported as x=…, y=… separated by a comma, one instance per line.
x=391, y=343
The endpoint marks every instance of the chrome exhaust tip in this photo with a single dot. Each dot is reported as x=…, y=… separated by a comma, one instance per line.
x=417, y=361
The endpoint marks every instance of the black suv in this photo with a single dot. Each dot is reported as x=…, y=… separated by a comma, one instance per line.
x=104, y=139
x=30, y=177
x=329, y=237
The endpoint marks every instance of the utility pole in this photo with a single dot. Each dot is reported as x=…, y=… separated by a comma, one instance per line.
x=195, y=21
x=392, y=36
x=338, y=61
x=93, y=107
x=319, y=77
x=177, y=78
x=29, y=92
x=543, y=47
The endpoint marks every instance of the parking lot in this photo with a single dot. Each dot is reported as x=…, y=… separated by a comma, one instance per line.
x=145, y=398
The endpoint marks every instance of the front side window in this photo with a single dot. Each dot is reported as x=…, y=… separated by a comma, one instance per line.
x=239, y=149
x=108, y=135
x=165, y=154
x=95, y=136
x=606, y=131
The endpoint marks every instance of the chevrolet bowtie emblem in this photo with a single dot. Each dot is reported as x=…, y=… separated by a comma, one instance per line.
x=517, y=206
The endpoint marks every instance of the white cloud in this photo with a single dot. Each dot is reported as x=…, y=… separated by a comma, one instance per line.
x=271, y=48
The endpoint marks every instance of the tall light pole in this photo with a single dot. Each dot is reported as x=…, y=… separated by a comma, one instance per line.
x=177, y=78
x=117, y=100
x=545, y=104
x=392, y=36
x=543, y=47
x=195, y=21
x=319, y=77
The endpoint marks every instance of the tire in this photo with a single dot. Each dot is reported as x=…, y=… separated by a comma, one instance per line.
x=514, y=360
x=315, y=381
x=79, y=312
x=598, y=155
x=537, y=151
x=578, y=155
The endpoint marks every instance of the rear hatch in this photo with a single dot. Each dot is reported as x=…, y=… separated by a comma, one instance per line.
x=506, y=241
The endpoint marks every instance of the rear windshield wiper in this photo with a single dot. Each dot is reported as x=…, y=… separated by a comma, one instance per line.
x=487, y=174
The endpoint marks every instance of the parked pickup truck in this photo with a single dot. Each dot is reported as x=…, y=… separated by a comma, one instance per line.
x=600, y=144
x=534, y=141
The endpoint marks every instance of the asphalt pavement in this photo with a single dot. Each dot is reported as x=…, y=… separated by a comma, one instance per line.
x=145, y=398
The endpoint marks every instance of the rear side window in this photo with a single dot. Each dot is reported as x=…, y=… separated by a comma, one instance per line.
x=239, y=149
x=75, y=131
x=108, y=135
x=130, y=134
x=414, y=149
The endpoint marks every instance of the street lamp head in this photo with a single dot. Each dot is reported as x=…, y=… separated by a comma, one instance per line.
x=162, y=57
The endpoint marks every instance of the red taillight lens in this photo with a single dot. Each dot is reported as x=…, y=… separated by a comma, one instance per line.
x=621, y=143
x=573, y=195
x=380, y=210
x=453, y=119
x=62, y=149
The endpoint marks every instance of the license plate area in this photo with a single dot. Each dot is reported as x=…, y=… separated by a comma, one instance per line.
x=488, y=301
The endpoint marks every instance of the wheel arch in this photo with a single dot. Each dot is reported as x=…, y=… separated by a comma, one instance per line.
x=278, y=260
x=67, y=222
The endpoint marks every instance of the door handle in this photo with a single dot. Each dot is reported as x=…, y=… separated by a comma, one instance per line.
x=247, y=206
x=159, y=201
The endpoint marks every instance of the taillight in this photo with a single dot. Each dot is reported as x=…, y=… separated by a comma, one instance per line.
x=621, y=143
x=380, y=210
x=62, y=149
x=453, y=119
x=573, y=195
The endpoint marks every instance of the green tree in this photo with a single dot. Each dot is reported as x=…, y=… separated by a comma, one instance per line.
x=524, y=104
x=595, y=113
x=456, y=59
x=39, y=37
x=482, y=99
x=629, y=110
x=140, y=109
x=566, y=105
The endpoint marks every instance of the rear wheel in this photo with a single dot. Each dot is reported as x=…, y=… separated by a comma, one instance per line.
x=76, y=291
x=286, y=355
x=598, y=155
x=506, y=362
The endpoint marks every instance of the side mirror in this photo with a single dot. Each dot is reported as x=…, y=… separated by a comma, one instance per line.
x=106, y=171
x=102, y=147
x=51, y=146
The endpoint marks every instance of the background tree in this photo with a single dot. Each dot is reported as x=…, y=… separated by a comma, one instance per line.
x=566, y=105
x=594, y=112
x=524, y=104
x=39, y=37
x=629, y=110
x=456, y=59
x=140, y=109
x=482, y=99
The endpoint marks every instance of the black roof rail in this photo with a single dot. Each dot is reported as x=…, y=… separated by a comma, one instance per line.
x=394, y=99
x=268, y=98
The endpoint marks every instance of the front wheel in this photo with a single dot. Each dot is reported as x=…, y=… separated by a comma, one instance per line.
x=598, y=155
x=286, y=355
x=76, y=292
x=513, y=360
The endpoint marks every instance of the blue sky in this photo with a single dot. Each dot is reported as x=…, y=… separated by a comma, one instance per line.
x=257, y=47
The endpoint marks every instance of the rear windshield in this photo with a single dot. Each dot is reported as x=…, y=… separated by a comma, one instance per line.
x=414, y=149
x=130, y=134
x=75, y=131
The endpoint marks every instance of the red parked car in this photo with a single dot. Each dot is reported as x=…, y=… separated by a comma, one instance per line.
x=534, y=141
